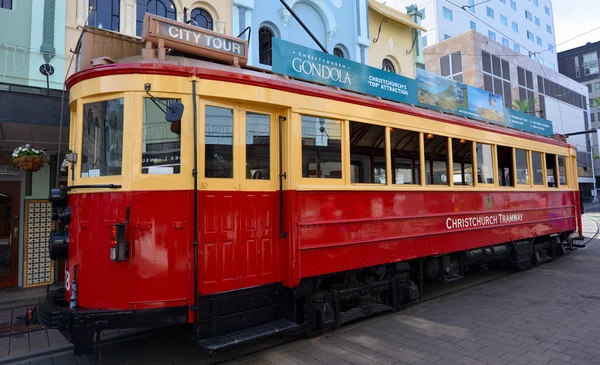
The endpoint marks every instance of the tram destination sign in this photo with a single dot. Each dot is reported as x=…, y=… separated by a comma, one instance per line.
x=308, y=64
x=194, y=40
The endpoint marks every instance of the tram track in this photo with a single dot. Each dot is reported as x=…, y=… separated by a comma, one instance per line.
x=432, y=294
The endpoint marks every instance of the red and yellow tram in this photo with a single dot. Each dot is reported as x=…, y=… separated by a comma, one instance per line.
x=277, y=205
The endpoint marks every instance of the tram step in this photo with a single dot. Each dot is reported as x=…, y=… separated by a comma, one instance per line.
x=247, y=334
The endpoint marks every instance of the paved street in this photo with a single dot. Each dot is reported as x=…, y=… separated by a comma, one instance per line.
x=547, y=315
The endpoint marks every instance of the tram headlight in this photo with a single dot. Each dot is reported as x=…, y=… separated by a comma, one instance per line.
x=58, y=245
x=58, y=198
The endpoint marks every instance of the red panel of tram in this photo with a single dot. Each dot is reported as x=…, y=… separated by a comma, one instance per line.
x=345, y=230
x=160, y=235
x=238, y=242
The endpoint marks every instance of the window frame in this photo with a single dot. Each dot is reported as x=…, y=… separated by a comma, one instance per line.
x=446, y=11
x=179, y=181
x=344, y=148
x=125, y=176
x=515, y=167
x=216, y=183
x=139, y=22
x=473, y=163
x=255, y=184
x=494, y=165
x=206, y=14
x=387, y=155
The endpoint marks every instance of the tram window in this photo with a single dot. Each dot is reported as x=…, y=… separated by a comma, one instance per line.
x=562, y=171
x=102, y=146
x=462, y=159
x=321, y=148
x=258, y=146
x=505, y=166
x=485, y=163
x=219, y=143
x=436, y=159
x=551, y=171
x=161, y=140
x=538, y=172
x=405, y=152
x=367, y=153
x=522, y=167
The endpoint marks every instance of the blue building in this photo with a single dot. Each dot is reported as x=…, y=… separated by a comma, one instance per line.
x=341, y=26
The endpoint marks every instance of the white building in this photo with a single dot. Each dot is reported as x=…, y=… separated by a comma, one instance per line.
x=522, y=25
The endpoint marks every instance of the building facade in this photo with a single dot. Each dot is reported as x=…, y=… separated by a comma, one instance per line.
x=394, y=47
x=341, y=27
x=32, y=40
x=475, y=59
x=522, y=25
x=581, y=65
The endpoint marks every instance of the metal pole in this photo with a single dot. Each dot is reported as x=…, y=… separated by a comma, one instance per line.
x=304, y=26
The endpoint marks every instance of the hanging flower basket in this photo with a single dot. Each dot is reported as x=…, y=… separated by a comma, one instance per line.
x=29, y=157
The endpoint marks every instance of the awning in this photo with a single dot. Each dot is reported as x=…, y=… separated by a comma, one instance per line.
x=394, y=14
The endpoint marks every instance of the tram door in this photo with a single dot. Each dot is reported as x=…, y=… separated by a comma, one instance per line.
x=238, y=198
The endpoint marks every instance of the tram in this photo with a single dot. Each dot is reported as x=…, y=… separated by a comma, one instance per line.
x=246, y=203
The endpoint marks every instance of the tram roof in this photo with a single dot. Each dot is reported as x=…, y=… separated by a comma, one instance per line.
x=189, y=67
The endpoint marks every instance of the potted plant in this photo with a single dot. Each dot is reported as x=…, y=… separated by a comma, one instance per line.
x=29, y=157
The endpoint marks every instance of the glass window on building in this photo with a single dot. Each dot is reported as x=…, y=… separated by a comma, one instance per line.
x=103, y=14
x=503, y=20
x=597, y=85
x=102, y=142
x=538, y=40
x=547, y=10
x=515, y=27
x=516, y=47
x=424, y=41
x=321, y=148
x=590, y=63
x=472, y=6
x=164, y=8
x=447, y=13
x=537, y=21
x=490, y=12
x=447, y=36
x=548, y=29
x=504, y=42
x=535, y=2
x=528, y=15
x=550, y=48
x=6, y=4
x=202, y=18
x=513, y=5
x=161, y=140
x=473, y=25
x=530, y=36
x=491, y=35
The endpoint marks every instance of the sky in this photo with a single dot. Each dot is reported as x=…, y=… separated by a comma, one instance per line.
x=571, y=20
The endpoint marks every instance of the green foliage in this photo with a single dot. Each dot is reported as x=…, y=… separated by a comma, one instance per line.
x=524, y=105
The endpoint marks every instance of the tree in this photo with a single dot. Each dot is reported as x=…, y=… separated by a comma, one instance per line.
x=525, y=105
x=595, y=103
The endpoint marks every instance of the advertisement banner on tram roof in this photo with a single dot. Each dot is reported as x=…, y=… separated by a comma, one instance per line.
x=429, y=90
x=309, y=64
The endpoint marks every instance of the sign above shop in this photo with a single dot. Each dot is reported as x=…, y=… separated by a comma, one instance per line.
x=429, y=90
x=194, y=40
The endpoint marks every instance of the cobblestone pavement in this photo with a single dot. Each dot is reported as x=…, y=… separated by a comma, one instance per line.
x=547, y=315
